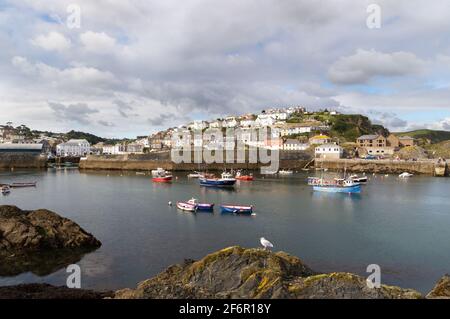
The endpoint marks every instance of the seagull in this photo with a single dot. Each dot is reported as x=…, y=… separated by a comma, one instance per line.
x=265, y=243
x=169, y=203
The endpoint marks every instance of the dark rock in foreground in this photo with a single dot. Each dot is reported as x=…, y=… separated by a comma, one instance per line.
x=441, y=290
x=45, y=291
x=236, y=272
x=40, y=241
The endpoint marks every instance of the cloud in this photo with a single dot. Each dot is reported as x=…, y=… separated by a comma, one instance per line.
x=73, y=112
x=106, y=123
x=365, y=65
x=389, y=120
x=53, y=41
x=122, y=107
x=98, y=42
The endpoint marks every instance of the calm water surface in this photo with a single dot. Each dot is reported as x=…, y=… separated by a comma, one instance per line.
x=402, y=225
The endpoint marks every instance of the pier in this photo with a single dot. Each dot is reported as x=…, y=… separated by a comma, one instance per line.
x=385, y=166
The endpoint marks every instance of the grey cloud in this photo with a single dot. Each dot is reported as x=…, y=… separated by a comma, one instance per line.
x=106, y=123
x=73, y=112
x=122, y=107
x=365, y=65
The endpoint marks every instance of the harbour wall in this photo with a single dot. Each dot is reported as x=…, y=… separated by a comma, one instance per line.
x=288, y=159
x=22, y=160
x=426, y=167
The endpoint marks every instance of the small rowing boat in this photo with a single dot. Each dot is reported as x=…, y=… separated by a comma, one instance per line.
x=17, y=185
x=235, y=209
x=186, y=206
x=358, y=179
x=405, y=175
x=6, y=190
x=285, y=172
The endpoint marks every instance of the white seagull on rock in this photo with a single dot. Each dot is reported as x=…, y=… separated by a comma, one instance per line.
x=265, y=243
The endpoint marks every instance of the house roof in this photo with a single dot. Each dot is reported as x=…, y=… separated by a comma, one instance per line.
x=320, y=137
x=368, y=137
x=17, y=146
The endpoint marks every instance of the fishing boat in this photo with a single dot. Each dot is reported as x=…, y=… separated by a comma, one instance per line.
x=162, y=179
x=285, y=172
x=18, y=185
x=161, y=176
x=405, y=175
x=186, y=206
x=337, y=185
x=201, y=206
x=6, y=190
x=358, y=179
x=241, y=177
x=226, y=180
x=236, y=209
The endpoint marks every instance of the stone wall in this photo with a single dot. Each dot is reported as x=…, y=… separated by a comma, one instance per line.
x=22, y=160
x=378, y=166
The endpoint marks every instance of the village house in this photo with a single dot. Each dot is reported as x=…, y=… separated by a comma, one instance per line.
x=399, y=141
x=216, y=124
x=371, y=141
x=134, y=148
x=198, y=125
x=320, y=139
x=264, y=120
x=376, y=145
x=294, y=145
x=112, y=149
x=230, y=122
x=328, y=151
x=74, y=147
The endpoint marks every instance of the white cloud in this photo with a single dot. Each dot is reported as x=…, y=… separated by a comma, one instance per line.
x=365, y=65
x=98, y=42
x=53, y=41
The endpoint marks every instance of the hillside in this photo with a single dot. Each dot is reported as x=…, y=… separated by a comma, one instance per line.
x=441, y=149
x=427, y=136
x=348, y=127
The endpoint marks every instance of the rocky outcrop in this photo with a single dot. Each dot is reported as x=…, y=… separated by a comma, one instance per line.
x=236, y=272
x=40, y=241
x=45, y=291
x=441, y=290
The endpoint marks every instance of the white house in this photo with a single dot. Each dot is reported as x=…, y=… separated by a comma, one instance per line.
x=215, y=124
x=247, y=123
x=198, y=125
x=294, y=145
x=73, y=148
x=330, y=151
x=112, y=149
x=231, y=122
x=264, y=120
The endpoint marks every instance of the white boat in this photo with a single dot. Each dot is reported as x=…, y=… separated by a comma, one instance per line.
x=189, y=207
x=159, y=172
x=195, y=175
x=405, y=175
x=358, y=179
x=6, y=190
x=285, y=172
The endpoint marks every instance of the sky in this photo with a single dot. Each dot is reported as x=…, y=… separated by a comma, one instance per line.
x=128, y=68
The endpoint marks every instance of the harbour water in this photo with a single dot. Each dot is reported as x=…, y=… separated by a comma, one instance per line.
x=401, y=225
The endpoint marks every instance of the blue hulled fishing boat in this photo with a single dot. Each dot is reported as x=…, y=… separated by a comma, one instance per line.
x=226, y=180
x=337, y=185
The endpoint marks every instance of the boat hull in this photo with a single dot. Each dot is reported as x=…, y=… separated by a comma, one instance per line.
x=217, y=182
x=236, y=209
x=205, y=207
x=338, y=189
x=165, y=179
x=244, y=178
x=186, y=207
x=19, y=185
